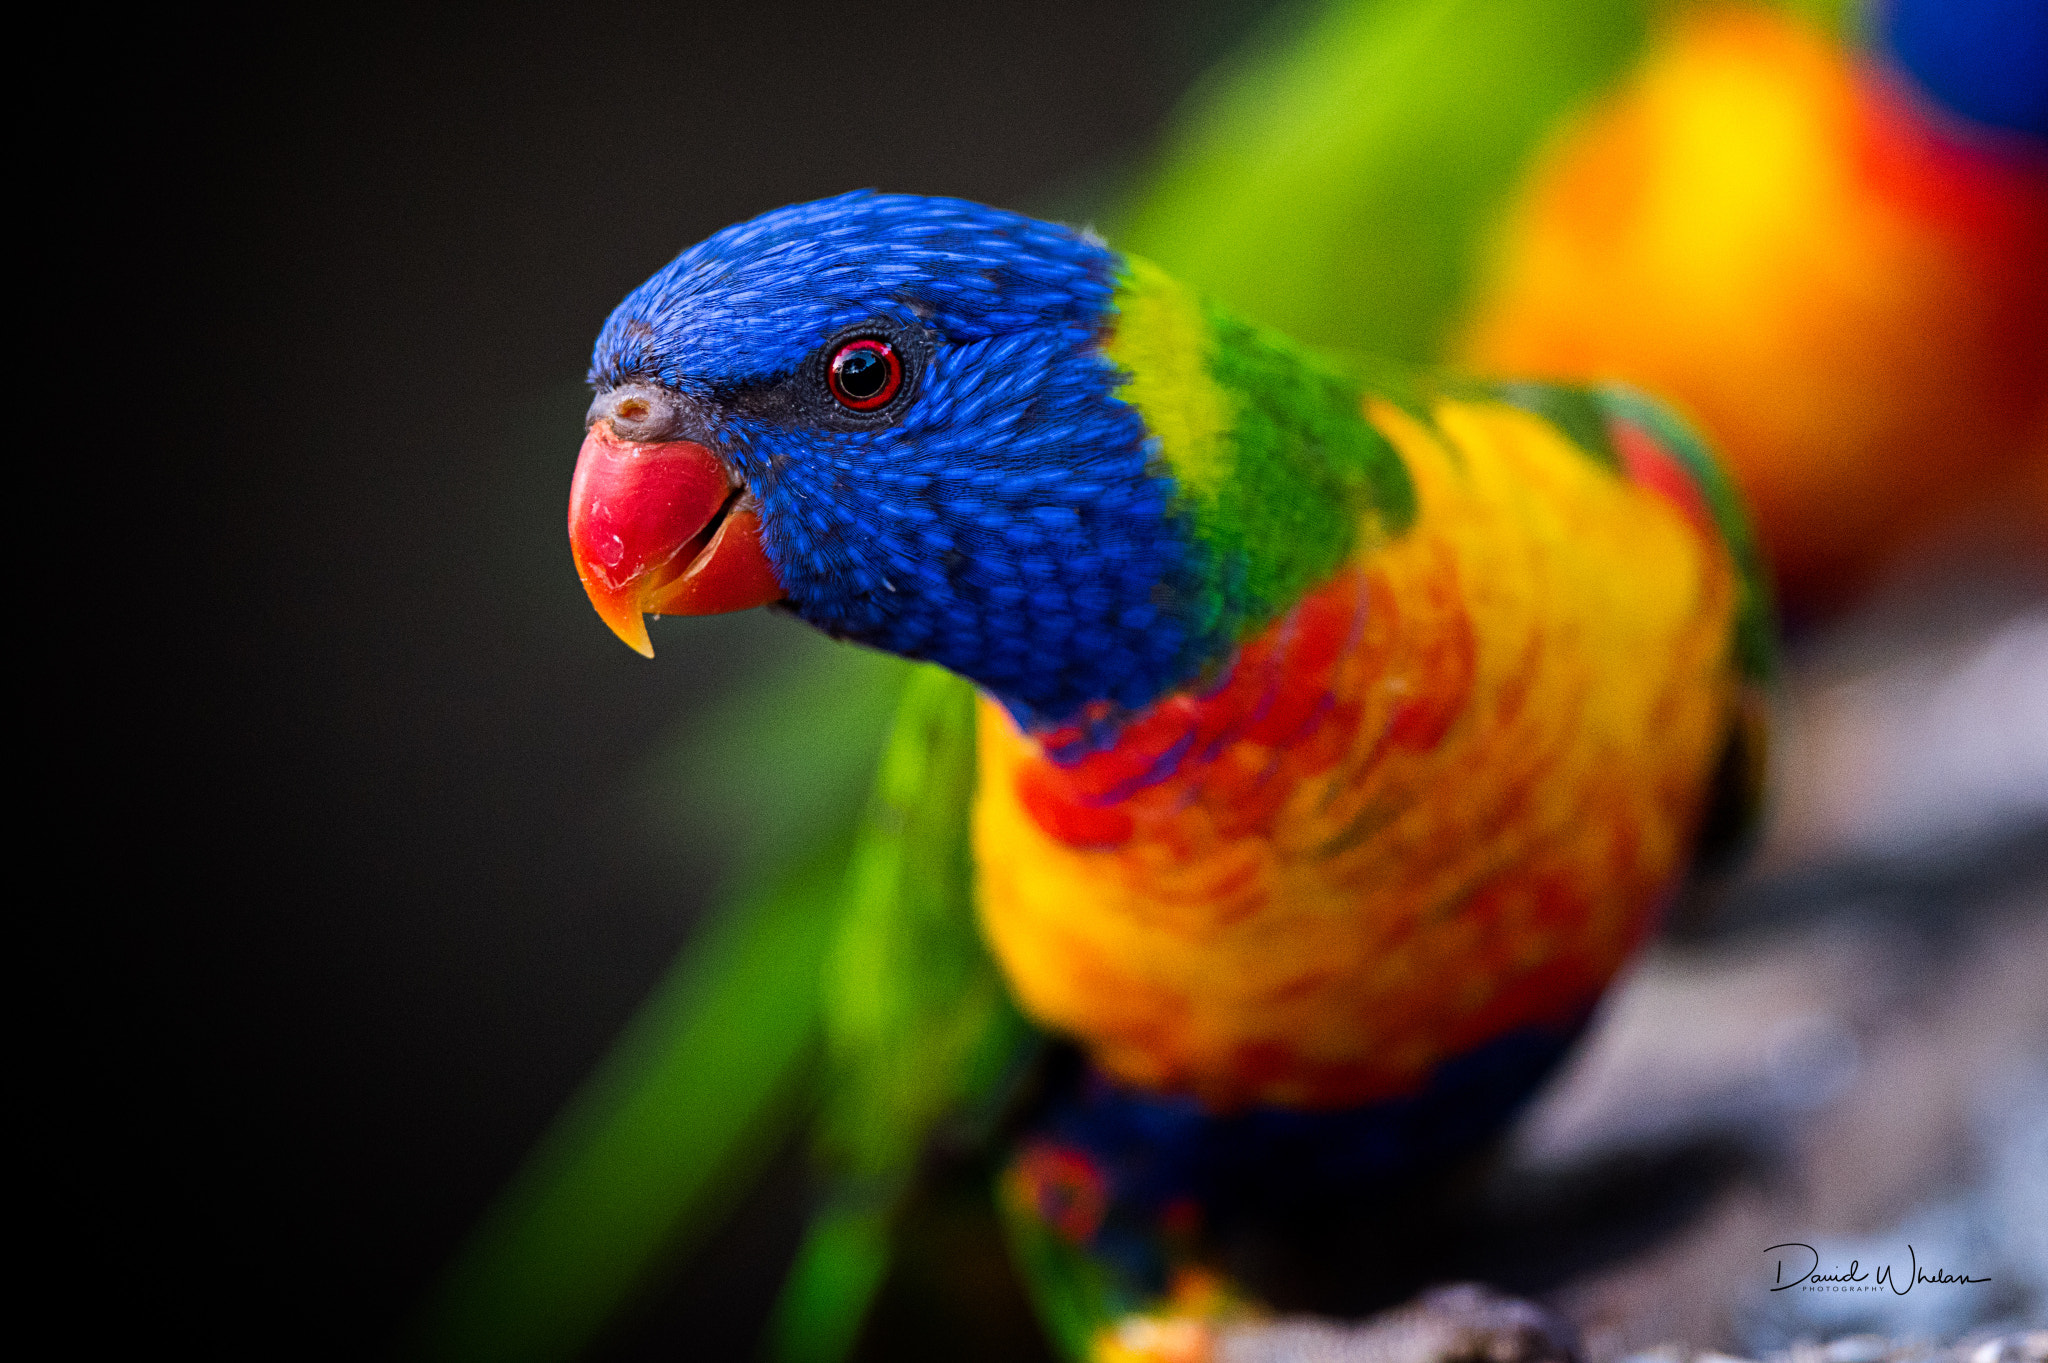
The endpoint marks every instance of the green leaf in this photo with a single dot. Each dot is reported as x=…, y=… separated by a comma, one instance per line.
x=718, y=1068
x=920, y=1031
x=838, y=1270
x=917, y=1018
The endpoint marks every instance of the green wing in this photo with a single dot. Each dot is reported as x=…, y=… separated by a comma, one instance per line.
x=919, y=1028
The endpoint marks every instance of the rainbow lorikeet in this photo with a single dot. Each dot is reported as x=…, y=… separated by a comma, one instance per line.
x=1815, y=227
x=1385, y=178
x=1306, y=740
x=1842, y=270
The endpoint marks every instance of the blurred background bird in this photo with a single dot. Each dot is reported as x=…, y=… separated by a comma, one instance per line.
x=1841, y=275
x=1819, y=234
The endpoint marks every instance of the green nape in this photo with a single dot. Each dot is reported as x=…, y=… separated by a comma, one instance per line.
x=1279, y=472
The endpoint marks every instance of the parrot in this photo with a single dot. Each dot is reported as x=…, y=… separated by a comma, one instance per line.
x=1305, y=742
x=1816, y=229
x=1391, y=178
x=1839, y=272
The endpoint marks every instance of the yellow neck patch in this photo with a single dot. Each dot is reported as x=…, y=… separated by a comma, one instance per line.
x=1162, y=343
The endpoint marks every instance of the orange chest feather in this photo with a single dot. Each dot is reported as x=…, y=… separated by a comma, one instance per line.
x=1438, y=800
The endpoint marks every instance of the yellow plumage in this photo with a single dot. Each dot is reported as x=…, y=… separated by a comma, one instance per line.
x=1505, y=779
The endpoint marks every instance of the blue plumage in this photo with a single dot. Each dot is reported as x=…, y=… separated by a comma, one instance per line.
x=1269, y=1166
x=1012, y=522
x=1984, y=59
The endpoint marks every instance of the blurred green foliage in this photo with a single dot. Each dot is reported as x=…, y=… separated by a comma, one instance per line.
x=714, y=1072
x=780, y=762
x=919, y=1029
x=1334, y=183
x=660, y=1142
x=1338, y=179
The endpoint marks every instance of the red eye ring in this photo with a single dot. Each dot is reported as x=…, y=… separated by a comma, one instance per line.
x=865, y=374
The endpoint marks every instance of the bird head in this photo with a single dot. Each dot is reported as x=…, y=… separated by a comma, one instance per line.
x=895, y=417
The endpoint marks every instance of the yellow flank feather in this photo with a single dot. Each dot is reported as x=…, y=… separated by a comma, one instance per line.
x=1476, y=826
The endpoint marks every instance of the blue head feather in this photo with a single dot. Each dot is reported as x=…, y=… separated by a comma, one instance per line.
x=1007, y=519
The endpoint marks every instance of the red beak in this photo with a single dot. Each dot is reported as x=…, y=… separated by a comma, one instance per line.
x=663, y=529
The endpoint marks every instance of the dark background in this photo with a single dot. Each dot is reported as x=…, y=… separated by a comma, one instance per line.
x=372, y=847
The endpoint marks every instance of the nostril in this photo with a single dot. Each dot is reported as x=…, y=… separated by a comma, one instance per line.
x=642, y=411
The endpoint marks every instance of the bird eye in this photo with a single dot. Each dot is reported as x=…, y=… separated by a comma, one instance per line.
x=865, y=374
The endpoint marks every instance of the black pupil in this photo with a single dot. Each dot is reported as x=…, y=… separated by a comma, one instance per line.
x=861, y=373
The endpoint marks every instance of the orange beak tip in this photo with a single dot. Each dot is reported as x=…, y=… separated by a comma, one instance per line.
x=621, y=614
x=636, y=638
